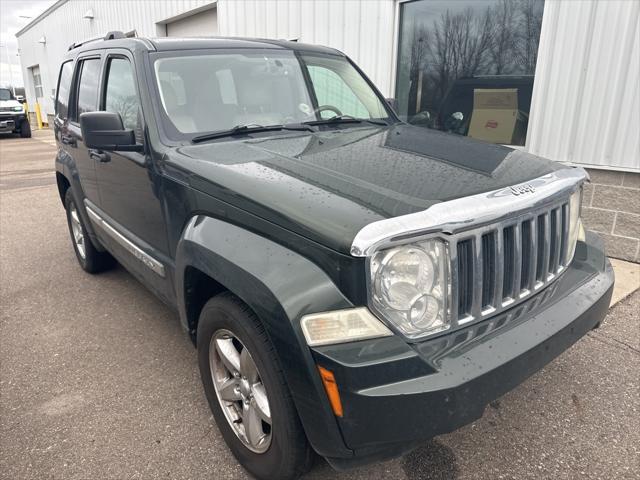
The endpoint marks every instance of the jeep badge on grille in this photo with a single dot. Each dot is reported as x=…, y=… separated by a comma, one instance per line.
x=522, y=189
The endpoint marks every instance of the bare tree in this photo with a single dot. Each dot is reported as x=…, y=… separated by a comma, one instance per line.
x=528, y=34
x=458, y=47
x=502, y=46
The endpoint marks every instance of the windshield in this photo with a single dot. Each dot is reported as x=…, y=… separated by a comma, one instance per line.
x=5, y=94
x=214, y=92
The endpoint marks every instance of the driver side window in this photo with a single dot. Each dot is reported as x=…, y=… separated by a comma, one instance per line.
x=332, y=90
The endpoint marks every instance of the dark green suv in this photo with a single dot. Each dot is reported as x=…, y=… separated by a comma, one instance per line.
x=354, y=285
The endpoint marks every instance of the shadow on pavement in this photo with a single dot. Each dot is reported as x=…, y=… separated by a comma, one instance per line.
x=431, y=461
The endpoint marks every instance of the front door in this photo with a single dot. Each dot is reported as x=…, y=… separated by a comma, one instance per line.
x=128, y=183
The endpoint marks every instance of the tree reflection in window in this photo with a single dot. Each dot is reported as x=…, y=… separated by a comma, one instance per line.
x=121, y=96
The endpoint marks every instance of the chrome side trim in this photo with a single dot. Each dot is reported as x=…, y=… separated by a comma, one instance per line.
x=469, y=212
x=133, y=249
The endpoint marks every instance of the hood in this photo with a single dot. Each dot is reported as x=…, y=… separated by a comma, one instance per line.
x=328, y=185
x=10, y=103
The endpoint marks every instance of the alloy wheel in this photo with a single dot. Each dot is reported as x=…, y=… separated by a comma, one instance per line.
x=76, y=229
x=240, y=391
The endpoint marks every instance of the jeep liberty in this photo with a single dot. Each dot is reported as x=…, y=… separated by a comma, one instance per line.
x=354, y=285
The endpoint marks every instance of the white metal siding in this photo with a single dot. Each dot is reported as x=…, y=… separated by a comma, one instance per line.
x=65, y=25
x=362, y=29
x=199, y=24
x=586, y=99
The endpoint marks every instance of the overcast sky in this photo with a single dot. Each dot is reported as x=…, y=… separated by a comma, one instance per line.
x=11, y=13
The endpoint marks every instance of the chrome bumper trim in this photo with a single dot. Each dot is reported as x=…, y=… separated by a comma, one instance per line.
x=127, y=244
x=468, y=212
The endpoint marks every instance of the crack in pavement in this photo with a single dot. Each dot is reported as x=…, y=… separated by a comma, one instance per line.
x=621, y=346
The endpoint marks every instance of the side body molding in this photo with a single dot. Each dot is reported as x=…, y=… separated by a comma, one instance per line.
x=280, y=286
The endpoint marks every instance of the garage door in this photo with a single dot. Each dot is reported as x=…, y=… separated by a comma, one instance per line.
x=201, y=24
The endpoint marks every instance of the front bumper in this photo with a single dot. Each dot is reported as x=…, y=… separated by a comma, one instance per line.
x=11, y=122
x=397, y=395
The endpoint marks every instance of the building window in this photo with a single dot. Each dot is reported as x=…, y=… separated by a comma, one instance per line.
x=467, y=67
x=37, y=81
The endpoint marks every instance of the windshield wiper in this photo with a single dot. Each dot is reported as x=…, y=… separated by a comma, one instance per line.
x=346, y=119
x=250, y=128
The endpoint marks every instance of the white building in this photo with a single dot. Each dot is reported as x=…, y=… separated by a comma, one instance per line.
x=566, y=71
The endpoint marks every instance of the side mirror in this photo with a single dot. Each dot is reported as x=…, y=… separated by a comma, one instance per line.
x=393, y=103
x=104, y=131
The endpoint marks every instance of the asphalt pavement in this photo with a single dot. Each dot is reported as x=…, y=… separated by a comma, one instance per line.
x=98, y=381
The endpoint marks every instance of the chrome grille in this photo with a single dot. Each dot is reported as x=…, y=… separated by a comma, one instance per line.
x=499, y=265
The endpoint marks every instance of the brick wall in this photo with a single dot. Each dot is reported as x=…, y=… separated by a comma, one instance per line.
x=611, y=207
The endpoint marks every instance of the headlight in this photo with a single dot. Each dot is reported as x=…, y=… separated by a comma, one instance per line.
x=575, y=225
x=409, y=287
x=17, y=109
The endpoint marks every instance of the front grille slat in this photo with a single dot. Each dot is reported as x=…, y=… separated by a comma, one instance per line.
x=508, y=242
x=544, y=273
x=499, y=249
x=565, y=234
x=496, y=266
x=558, y=241
x=525, y=236
x=488, y=270
x=465, y=278
x=476, y=305
x=453, y=308
x=533, y=255
x=517, y=261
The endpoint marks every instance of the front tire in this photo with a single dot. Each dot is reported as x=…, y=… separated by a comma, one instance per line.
x=25, y=129
x=247, y=392
x=90, y=259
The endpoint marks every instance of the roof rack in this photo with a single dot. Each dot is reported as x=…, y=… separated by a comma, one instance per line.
x=114, y=35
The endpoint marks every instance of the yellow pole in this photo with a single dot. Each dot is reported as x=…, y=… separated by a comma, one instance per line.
x=38, y=116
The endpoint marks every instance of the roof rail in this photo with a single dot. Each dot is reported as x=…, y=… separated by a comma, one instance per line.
x=114, y=35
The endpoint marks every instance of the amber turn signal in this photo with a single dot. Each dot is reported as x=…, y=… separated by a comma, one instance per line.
x=331, y=387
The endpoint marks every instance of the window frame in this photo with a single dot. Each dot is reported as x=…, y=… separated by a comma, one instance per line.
x=72, y=115
x=71, y=86
x=104, y=77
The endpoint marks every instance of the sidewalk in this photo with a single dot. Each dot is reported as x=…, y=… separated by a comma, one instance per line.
x=627, y=279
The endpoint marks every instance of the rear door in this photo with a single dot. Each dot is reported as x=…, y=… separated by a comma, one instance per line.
x=61, y=118
x=84, y=99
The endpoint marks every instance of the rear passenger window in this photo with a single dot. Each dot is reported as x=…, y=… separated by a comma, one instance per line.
x=120, y=95
x=88, y=88
x=64, y=87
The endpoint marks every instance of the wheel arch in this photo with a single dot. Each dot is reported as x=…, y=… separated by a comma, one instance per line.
x=215, y=256
x=63, y=185
x=199, y=287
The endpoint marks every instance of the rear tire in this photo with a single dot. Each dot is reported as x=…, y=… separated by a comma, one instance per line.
x=287, y=455
x=90, y=259
x=25, y=129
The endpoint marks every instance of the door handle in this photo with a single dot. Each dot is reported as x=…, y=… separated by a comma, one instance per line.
x=102, y=157
x=68, y=140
